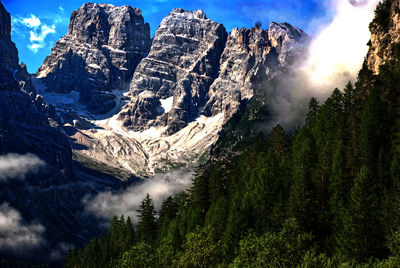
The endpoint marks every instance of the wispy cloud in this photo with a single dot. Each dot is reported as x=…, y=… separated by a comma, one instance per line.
x=32, y=21
x=38, y=31
x=16, y=166
x=108, y=204
x=15, y=234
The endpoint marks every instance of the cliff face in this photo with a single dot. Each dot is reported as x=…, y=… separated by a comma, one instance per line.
x=8, y=51
x=192, y=81
x=25, y=120
x=251, y=56
x=385, y=35
x=192, y=66
x=99, y=54
x=9, y=54
x=50, y=194
x=181, y=66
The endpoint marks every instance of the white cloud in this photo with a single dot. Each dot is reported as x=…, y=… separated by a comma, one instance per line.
x=334, y=57
x=61, y=9
x=32, y=21
x=38, y=31
x=16, y=166
x=15, y=234
x=336, y=54
x=39, y=37
x=35, y=47
x=108, y=204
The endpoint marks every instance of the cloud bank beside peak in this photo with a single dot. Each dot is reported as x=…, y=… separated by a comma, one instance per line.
x=337, y=52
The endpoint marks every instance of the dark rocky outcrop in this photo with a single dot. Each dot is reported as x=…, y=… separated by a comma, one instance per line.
x=9, y=54
x=182, y=64
x=52, y=195
x=100, y=52
x=26, y=122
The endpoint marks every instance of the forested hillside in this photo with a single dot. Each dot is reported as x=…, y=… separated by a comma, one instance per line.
x=327, y=195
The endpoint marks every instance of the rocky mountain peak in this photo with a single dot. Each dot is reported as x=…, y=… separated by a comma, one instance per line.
x=285, y=38
x=181, y=65
x=197, y=14
x=104, y=23
x=24, y=117
x=385, y=35
x=5, y=29
x=8, y=51
x=250, y=57
x=99, y=54
x=197, y=69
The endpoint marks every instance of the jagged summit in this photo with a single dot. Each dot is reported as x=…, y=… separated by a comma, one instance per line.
x=181, y=65
x=251, y=56
x=99, y=54
x=197, y=14
x=8, y=51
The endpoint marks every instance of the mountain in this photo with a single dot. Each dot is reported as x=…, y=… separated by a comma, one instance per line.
x=181, y=93
x=251, y=56
x=98, y=55
x=181, y=66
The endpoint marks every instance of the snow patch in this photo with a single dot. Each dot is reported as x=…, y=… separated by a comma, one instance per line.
x=42, y=74
x=166, y=104
x=94, y=66
x=202, y=119
x=146, y=94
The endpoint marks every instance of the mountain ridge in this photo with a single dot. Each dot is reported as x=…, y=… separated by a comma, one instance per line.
x=179, y=86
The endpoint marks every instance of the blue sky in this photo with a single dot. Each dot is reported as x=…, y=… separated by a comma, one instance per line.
x=37, y=25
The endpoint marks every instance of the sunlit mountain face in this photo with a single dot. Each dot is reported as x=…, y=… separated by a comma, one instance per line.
x=199, y=134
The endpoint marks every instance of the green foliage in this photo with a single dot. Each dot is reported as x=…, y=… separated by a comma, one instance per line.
x=166, y=253
x=199, y=250
x=283, y=249
x=313, y=260
x=363, y=233
x=140, y=255
x=147, y=226
x=103, y=252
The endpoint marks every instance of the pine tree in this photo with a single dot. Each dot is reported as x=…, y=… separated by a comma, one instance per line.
x=129, y=233
x=313, y=108
x=146, y=228
x=362, y=230
x=302, y=202
x=168, y=212
x=370, y=130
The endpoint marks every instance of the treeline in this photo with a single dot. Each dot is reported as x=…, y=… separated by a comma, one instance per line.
x=327, y=195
